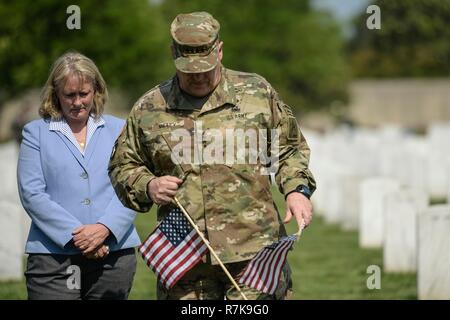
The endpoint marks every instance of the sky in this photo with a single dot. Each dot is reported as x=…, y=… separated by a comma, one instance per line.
x=343, y=11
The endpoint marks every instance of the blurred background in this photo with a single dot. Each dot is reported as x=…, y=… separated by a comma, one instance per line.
x=374, y=105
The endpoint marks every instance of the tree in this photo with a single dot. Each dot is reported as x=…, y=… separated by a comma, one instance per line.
x=124, y=38
x=298, y=50
x=412, y=41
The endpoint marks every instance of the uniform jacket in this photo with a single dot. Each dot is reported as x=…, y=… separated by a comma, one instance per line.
x=230, y=201
x=61, y=189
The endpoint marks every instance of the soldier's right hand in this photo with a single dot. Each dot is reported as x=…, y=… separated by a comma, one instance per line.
x=162, y=190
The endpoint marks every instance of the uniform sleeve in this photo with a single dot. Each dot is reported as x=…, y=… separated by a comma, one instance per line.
x=52, y=219
x=129, y=168
x=292, y=151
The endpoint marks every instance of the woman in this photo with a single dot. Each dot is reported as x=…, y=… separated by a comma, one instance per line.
x=81, y=241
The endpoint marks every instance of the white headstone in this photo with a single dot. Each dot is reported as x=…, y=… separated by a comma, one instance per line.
x=439, y=155
x=413, y=164
x=8, y=177
x=372, y=197
x=433, y=273
x=400, y=229
x=335, y=194
x=448, y=179
x=8, y=174
x=11, y=241
x=350, y=213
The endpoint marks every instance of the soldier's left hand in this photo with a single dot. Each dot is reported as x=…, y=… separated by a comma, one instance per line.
x=300, y=207
x=90, y=236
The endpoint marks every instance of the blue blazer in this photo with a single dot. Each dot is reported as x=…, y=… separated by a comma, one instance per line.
x=62, y=190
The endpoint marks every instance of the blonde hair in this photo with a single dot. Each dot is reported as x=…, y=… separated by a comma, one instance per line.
x=72, y=63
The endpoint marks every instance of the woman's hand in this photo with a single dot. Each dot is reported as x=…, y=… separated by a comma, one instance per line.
x=89, y=237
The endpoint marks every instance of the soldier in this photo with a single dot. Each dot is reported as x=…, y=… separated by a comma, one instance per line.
x=230, y=201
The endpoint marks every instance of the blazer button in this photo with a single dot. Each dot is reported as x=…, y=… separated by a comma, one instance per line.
x=84, y=175
x=87, y=201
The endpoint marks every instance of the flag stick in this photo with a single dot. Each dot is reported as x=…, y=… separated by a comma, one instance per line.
x=300, y=230
x=210, y=248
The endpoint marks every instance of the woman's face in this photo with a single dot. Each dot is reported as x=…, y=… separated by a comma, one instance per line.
x=76, y=99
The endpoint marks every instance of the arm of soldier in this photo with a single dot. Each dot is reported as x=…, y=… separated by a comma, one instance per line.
x=293, y=160
x=129, y=167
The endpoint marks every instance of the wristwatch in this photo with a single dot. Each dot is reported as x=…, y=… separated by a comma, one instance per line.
x=304, y=190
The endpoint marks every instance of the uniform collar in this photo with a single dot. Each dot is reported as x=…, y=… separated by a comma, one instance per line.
x=224, y=93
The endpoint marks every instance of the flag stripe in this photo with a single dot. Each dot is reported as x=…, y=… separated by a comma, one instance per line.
x=157, y=247
x=176, y=257
x=261, y=283
x=263, y=271
x=253, y=266
x=266, y=282
x=258, y=267
x=191, y=258
x=276, y=270
x=272, y=264
x=172, y=249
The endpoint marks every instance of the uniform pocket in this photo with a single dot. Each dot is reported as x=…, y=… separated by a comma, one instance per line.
x=159, y=146
x=293, y=131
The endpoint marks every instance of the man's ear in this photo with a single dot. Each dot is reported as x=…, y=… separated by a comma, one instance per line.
x=220, y=50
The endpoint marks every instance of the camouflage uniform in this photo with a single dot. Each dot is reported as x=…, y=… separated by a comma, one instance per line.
x=231, y=203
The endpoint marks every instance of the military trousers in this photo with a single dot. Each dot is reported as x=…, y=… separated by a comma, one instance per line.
x=209, y=282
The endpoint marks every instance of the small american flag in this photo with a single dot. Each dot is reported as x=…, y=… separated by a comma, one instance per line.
x=173, y=248
x=263, y=271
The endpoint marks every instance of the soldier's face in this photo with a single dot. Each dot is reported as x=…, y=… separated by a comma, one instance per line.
x=76, y=98
x=199, y=84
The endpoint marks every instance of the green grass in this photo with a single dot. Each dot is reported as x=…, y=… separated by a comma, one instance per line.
x=13, y=290
x=326, y=264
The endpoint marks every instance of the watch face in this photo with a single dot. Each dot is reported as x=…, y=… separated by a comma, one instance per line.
x=304, y=190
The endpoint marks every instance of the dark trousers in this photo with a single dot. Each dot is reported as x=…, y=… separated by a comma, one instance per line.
x=74, y=277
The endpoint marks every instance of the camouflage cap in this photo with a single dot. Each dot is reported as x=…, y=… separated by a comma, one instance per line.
x=195, y=38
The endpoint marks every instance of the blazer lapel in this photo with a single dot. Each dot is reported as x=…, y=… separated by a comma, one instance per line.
x=93, y=143
x=75, y=152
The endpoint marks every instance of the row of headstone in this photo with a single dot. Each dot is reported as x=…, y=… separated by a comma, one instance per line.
x=14, y=222
x=414, y=236
x=419, y=162
x=380, y=182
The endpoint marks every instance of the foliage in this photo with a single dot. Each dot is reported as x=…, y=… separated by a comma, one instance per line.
x=124, y=38
x=412, y=41
x=295, y=48
x=298, y=50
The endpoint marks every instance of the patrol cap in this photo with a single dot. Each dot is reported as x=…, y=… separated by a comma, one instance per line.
x=195, y=39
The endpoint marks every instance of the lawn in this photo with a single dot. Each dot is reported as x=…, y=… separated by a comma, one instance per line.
x=326, y=263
